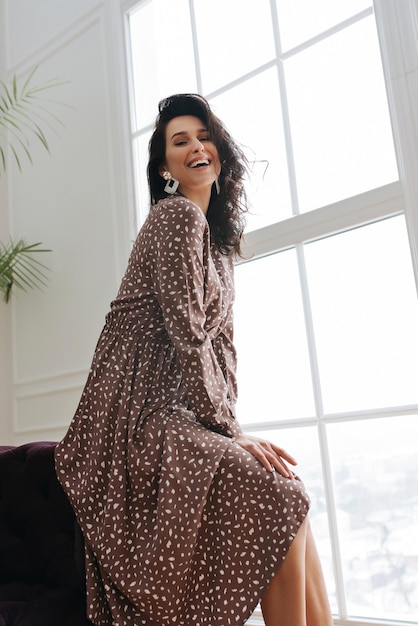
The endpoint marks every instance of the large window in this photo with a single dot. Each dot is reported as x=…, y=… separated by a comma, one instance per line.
x=326, y=312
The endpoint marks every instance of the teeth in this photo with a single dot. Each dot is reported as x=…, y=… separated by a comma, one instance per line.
x=202, y=162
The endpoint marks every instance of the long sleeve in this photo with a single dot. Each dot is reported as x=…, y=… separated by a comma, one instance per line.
x=188, y=291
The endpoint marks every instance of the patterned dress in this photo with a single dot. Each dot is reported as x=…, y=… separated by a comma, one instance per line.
x=182, y=525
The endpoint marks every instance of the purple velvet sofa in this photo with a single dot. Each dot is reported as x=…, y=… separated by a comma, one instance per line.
x=41, y=547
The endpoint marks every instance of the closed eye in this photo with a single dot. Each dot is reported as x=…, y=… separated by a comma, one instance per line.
x=183, y=142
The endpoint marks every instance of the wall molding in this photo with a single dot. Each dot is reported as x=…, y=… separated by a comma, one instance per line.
x=48, y=428
x=53, y=384
x=46, y=405
x=60, y=40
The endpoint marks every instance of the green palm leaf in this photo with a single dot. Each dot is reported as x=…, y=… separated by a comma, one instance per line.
x=19, y=268
x=24, y=117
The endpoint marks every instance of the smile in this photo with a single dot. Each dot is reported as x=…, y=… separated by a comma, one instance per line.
x=199, y=163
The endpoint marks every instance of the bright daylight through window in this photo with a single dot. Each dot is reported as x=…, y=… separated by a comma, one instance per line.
x=326, y=308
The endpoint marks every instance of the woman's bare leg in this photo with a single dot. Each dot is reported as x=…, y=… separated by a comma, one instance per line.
x=297, y=594
x=318, y=612
x=284, y=602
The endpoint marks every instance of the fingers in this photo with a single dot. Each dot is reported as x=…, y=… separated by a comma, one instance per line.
x=282, y=453
x=277, y=463
x=270, y=456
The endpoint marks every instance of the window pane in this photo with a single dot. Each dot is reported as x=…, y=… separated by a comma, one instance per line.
x=234, y=38
x=252, y=113
x=141, y=161
x=273, y=364
x=365, y=313
x=375, y=470
x=300, y=20
x=339, y=117
x=162, y=55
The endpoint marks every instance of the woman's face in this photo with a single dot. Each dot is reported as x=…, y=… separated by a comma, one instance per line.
x=190, y=156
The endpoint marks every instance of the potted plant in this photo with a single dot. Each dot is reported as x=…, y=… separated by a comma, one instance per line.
x=24, y=117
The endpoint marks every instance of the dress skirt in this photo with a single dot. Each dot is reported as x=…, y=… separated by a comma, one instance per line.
x=181, y=524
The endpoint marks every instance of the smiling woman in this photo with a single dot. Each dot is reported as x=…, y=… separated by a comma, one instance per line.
x=204, y=520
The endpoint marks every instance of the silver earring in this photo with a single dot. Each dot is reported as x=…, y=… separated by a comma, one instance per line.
x=217, y=186
x=172, y=184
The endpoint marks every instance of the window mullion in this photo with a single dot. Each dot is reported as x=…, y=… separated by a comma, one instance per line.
x=323, y=443
x=332, y=521
x=328, y=33
x=359, y=210
x=195, y=47
x=310, y=334
x=285, y=112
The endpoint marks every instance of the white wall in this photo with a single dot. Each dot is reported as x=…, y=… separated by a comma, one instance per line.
x=77, y=201
x=5, y=313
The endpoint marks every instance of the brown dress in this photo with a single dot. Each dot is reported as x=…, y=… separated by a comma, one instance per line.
x=182, y=525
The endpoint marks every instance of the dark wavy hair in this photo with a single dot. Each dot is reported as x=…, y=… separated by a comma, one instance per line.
x=226, y=212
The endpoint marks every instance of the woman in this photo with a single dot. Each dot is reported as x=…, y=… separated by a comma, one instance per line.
x=186, y=519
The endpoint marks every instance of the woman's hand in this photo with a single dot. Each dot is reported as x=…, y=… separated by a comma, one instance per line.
x=271, y=456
